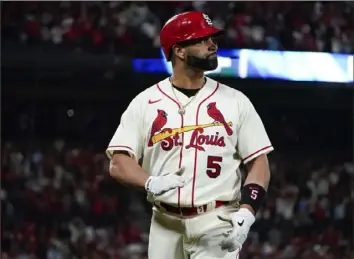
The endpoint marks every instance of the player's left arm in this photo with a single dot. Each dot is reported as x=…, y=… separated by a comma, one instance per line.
x=252, y=195
x=253, y=146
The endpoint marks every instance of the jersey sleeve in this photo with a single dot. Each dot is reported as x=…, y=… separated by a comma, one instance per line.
x=253, y=140
x=128, y=136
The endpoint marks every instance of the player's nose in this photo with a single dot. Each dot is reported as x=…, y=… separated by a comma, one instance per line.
x=212, y=45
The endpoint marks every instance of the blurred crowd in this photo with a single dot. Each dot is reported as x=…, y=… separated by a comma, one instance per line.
x=59, y=202
x=115, y=26
x=309, y=212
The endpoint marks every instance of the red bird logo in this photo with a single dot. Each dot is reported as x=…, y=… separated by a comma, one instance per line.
x=217, y=116
x=159, y=122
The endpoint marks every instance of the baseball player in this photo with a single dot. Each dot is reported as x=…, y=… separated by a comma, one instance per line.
x=193, y=132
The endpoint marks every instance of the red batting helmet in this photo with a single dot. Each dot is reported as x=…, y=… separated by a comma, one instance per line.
x=184, y=27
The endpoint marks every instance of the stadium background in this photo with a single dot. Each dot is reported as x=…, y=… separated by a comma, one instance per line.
x=69, y=70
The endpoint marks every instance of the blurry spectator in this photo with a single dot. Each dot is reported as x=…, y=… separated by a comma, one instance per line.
x=109, y=26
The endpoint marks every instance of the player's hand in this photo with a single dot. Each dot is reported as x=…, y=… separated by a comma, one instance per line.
x=241, y=222
x=158, y=185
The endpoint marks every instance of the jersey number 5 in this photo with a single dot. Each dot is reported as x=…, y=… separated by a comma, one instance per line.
x=213, y=166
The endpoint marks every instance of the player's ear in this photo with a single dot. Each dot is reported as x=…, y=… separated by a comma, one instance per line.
x=179, y=52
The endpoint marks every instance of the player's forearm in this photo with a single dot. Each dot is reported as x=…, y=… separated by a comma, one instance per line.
x=126, y=170
x=258, y=172
x=258, y=175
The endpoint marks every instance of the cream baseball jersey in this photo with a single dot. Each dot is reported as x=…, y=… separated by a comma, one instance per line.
x=219, y=129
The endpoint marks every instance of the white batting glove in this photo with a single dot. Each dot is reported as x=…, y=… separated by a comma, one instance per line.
x=241, y=222
x=158, y=185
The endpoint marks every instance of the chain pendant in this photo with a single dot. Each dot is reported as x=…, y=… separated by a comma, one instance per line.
x=181, y=111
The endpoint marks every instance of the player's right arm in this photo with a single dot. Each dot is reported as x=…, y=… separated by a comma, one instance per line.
x=126, y=148
x=126, y=170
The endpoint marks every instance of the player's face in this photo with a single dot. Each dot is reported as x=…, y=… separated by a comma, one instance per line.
x=202, y=54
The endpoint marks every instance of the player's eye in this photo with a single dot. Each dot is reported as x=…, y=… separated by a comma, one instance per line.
x=206, y=40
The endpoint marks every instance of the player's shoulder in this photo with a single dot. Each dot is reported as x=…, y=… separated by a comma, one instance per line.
x=229, y=92
x=150, y=93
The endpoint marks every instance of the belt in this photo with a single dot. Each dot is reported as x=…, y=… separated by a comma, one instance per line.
x=190, y=211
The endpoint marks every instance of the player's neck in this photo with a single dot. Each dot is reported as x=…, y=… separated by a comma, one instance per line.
x=188, y=79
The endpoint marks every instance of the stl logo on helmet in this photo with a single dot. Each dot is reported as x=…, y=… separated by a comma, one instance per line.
x=170, y=138
x=207, y=19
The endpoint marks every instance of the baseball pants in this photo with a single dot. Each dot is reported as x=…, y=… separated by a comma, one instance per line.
x=198, y=237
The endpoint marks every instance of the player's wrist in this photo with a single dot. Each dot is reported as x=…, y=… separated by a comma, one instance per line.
x=248, y=207
x=147, y=184
x=246, y=215
x=253, y=195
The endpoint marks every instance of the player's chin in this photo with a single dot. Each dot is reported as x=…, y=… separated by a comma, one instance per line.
x=212, y=60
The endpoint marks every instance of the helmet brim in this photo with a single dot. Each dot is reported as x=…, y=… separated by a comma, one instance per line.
x=209, y=31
